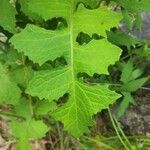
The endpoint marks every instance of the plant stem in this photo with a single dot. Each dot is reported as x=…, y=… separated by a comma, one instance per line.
x=27, y=81
x=60, y=136
x=115, y=127
x=98, y=143
x=121, y=131
x=11, y=114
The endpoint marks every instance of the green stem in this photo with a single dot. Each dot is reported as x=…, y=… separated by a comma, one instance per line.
x=115, y=127
x=27, y=81
x=11, y=114
x=121, y=131
x=60, y=136
x=99, y=144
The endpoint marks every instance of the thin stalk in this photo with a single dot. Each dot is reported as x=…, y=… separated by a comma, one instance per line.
x=60, y=136
x=120, y=85
x=27, y=81
x=99, y=144
x=115, y=127
x=30, y=105
x=129, y=137
x=121, y=131
x=10, y=114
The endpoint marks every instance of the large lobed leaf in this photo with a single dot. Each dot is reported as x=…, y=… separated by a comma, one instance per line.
x=41, y=45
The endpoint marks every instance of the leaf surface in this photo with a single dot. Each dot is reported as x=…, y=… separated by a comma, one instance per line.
x=84, y=101
x=42, y=45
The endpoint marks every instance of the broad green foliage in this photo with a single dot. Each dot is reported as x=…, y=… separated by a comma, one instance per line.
x=51, y=73
x=7, y=16
x=95, y=57
x=9, y=92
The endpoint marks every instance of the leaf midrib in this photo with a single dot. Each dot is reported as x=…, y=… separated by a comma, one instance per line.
x=72, y=47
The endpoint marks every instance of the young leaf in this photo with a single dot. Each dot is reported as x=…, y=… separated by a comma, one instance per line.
x=22, y=109
x=31, y=129
x=127, y=19
x=95, y=57
x=24, y=8
x=126, y=75
x=137, y=73
x=127, y=99
x=135, y=6
x=7, y=16
x=134, y=85
x=26, y=130
x=44, y=106
x=122, y=39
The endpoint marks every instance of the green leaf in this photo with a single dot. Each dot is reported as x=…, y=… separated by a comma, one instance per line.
x=90, y=58
x=127, y=99
x=50, y=9
x=122, y=39
x=41, y=45
x=134, y=85
x=21, y=75
x=14, y=58
x=126, y=75
x=84, y=101
x=7, y=16
x=135, y=6
x=55, y=83
x=91, y=3
x=44, y=106
x=9, y=91
x=138, y=21
x=137, y=73
x=22, y=109
x=128, y=19
x=30, y=129
x=95, y=20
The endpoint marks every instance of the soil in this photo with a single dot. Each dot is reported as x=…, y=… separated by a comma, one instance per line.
x=136, y=120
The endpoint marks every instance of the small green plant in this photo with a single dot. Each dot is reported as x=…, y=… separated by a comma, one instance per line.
x=130, y=84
